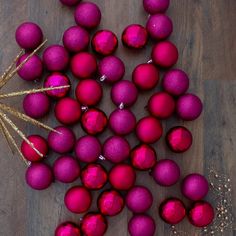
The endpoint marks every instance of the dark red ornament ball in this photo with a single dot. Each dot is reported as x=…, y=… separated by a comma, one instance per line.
x=155, y=6
x=67, y=229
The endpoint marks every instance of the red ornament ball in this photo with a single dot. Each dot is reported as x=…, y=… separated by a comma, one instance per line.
x=155, y=6
x=67, y=229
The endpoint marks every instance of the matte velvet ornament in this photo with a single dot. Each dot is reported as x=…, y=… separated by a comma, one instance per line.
x=145, y=76
x=36, y=105
x=172, y=211
x=139, y=199
x=116, y=149
x=135, y=36
x=122, y=121
x=61, y=141
x=39, y=176
x=83, y=65
x=67, y=229
x=94, y=121
x=175, y=82
x=87, y=15
x=39, y=143
x=70, y=3
x=189, y=107
x=141, y=224
x=66, y=169
x=161, y=105
x=179, y=139
x=149, y=129
x=94, y=176
x=165, y=54
x=195, y=187
x=89, y=92
x=155, y=6
x=78, y=199
x=122, y=177
x=29, y=35
x=55, y=58
x=124, y=92
x=104, y=42
x=111, y=69
x=57, y=79
x=143, y=157
x=166, y=172
x=110, y=203
x=201, y=214
x=76, y=39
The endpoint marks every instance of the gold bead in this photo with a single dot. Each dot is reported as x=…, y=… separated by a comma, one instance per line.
x=219, y=188
x=229, y=189
x=219, y=215
x=226, y=186
x=216, y=175
x=228, y=180
x=226, y=217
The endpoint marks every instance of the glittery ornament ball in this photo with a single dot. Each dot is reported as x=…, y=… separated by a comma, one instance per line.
x=155, y=6
x=67, y=229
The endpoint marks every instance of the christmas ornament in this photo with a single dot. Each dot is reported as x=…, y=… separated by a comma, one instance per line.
x=155, y=6
x=67, y=228
x=70, y=3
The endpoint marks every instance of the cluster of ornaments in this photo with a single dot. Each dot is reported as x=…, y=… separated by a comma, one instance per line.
x=74, y=56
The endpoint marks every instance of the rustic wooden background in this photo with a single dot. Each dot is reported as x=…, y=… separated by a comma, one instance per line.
x=204, y=32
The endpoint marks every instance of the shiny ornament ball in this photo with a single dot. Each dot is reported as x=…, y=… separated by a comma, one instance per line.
x=175, y=82
x=89, y=92
x=104, y=42
x=83, y=65
x=161, y=105
x=67, y=229
x=201, y=214
x=39, y=176
x=145, y=76
x=116, y=149
x=94, y=121
x=76, y=39
x=122, y=121
x=195, y=187
x=29, y=35
x=166, y=172
x=155, y=6
x=110, y=203
x=66, y=169
x=39, y=143
x=149, y=130
x=78, y=199
x=143, y=157
x=189, y=107
x=87, y=15
x=111, y=69
x=62, y=141
x=88, y=149
x=94, y=176
x=165, y=54
x=122, y=177
x=55, y=58
x=139, y=199
x=141, y=224
x=135, y=36
x=179, y=139
x=36, y=105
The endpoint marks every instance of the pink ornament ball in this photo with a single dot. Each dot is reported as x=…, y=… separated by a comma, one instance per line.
x=139, y=199
x=116, y=149
x=195, y=187
x=161, y=105
x=70, y=3
x=87, y=15
x=29, y=35
x=141, y=224
x=39, y=143
x=155, y=6
x=88, y=149
x=67, y=229
x=39, y=176
x=175, y=82
x=166, y=172
x=66, y=169
x=189, y=107
x=76, y=39
x=61, y=141
x=36, y=105
x=32, y=69
x=78, y=199
x=165, y=54
x=89, y=92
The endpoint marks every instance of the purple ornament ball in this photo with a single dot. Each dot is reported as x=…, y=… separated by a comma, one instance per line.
x=155, y=6
x=70, y=3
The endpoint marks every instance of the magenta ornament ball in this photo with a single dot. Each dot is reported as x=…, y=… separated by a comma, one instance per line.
x=195, y=187
x=189, y=107
x=70, y=3
x=29, y=35
x=67, y=228
x=39, y=176
x=36, y=105
x=155, y=6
